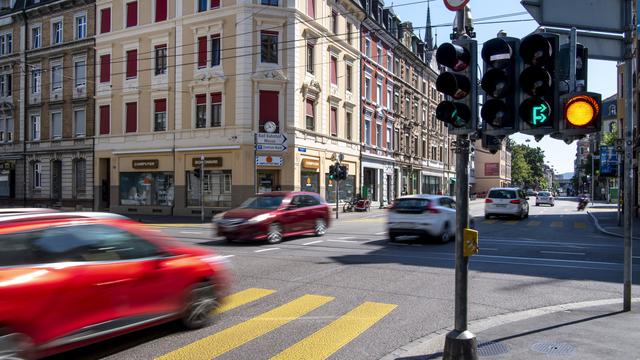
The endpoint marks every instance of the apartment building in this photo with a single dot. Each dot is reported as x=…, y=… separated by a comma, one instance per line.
x=491, y=170
x=177, y=81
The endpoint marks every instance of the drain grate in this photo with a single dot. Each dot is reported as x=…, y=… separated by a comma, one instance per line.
x=491, y=348
x=552, y=348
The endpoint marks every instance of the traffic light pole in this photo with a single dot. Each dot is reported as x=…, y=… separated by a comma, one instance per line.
x=628, y=151
x=202, y=188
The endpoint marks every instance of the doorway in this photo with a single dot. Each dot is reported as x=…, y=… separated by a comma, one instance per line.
x=56, y=180
x=104, y=200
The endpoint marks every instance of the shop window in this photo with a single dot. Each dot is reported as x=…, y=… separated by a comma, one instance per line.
x=147, y=188
x=345, y=192
x=216, y=186
x=310, y=181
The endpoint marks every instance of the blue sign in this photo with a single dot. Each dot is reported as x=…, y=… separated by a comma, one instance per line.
x=301, y=149
x=608, y=161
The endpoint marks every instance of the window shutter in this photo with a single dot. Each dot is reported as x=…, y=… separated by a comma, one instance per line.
x=160, y=105
x=334, y=70
x=215, y=4
x=132, y=63
x=105, y=20
x=268, y=107
x=161, y=10
x=132, y=14
x=202, y=51
x=309, y=111
x=334, y=121
x=311, y=11
x=105, y=68
x=216, y=98
x=132, y=113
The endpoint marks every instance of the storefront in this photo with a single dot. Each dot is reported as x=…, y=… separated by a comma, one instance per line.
x=214, y=185
x=146, y=184
x=7, y=179
x=310, y=175
x=431, y=184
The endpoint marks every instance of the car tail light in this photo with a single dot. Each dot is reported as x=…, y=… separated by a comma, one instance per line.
x=515, y=201
x=488, y=201
x=430, y=209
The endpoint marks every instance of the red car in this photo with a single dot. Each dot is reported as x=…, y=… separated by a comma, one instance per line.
x=70, y=279
x=274, y=216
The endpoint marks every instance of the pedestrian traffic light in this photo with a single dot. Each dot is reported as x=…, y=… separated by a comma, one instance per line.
x=332, y=172
x=500, y=82
x=539, y=107
x=196, y=172
x=459, y=84
x=582, y=65
x=581, y=113
x=342, y=172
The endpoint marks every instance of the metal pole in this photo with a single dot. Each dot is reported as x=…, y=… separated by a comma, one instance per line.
x=593, y=177
x=202, y=188
x=337, y=186
x=628, y=149
x=620, y=179
x=255, y=163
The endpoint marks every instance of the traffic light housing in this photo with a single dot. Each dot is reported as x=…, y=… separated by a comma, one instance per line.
x=342, y=172
x=332, y=172
x=582, y=66
x=539, y=94
x=196, y=172
x=500, y=83
x=459, y=110
x=491, y=143
x=581, y=113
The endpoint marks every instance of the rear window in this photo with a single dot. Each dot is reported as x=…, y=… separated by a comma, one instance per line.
x=544, y=193
x=502, y=194
x=411, y=204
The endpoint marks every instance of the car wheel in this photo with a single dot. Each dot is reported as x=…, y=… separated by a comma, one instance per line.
x=393, y=237
x=526, y=215
x=537, y=204
x=201, y=301
x=487, y=216
x=445, y=237
x=274, y=235
x=14, y=346
x=321, y=227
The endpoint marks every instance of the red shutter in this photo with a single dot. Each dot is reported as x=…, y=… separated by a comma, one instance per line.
x=216, y=98
x=161, y=10
x=132, y=14
x=334, y=70
x=309, y=111
x=105, y=68
x=311, y=11
x=105, y=20
x=202, y=51
x=160, y=105
x=132, y=114
x=334, y=121
x=132, y=63
x=268, y=107
x=105, y=125
x=215, y=4
x=201, y=99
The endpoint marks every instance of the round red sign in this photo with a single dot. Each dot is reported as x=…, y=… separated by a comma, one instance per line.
x=455, y=5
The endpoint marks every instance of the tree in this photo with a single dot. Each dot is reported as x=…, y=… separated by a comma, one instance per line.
x=527, y=166
x=609, y=137
x=520, y=170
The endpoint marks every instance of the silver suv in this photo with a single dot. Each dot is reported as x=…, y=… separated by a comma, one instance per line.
x=506, y=201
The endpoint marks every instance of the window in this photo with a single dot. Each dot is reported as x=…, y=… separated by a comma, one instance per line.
x=56, y=77
x=35, y=127
x=80, y=72
x=161, y=10
x=6, y=84
x=216, y=188
x=57, y=33
x=396, y=140
x=310, y=58
x=311, y=8
x=379, y=92
x=379, y=135
x=132, y=117
x=389, y=139
x=36, y=37
x=333, y=70
x=6, y=44
x=201, y=111
x=349, y=33
x=367, y=88
x=79, y=122
x=424, y=149
x=146, y=188
x=379, y=55
x=161, y=59
x=132, y=14
x=334, y=121
x=132, y=64
x=79, y=177
x=389, y=62
x=202, y=52
x=269, y=2
x=6, y=130
x=215, y=50
x=367, y=131
x=389, y=96
x=81, y=27
x=37, y=175
x=105, y=20
x=269, y=47
x=202, y=5
x=105, y=68
x=160, y=115
x=216, y=109
x=334, y=22
x=309, y=115
x=269, y=105
x=396, y=102
x=348, y=125
x=367, y=47
x=215, y=4
x=56, y=125
x=105, y=121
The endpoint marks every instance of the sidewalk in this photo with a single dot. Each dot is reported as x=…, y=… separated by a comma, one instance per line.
x=594, y=330
x=605, y=218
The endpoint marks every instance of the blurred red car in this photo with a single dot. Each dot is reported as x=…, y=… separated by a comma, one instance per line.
x=274, y=216
x=70, y=279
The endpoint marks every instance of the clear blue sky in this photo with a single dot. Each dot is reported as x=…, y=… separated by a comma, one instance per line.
x=602, y=74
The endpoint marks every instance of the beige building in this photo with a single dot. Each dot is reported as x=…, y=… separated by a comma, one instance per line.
x=491, y=170
x=180, y=80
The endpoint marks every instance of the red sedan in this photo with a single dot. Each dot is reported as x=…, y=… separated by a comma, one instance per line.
x=70, y=279
x=274, y=216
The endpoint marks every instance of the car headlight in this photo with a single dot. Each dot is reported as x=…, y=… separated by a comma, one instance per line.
x=259, y=218
x=218, y=216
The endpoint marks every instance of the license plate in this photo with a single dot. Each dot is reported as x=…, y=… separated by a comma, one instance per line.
x=500, y=205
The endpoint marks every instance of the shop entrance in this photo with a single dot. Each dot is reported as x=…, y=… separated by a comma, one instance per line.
x=105, y=184
x=268, y=181
x=56, y=180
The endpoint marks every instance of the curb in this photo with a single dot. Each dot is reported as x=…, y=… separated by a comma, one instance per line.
x=602, y=230
x=433, y=343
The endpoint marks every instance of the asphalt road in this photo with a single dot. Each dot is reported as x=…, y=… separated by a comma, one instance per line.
x=352, y=295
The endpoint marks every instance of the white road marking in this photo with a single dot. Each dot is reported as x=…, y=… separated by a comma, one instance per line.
x=226, y=256
x=347, y=237
x=191, y=232
x=269, y=249
x=313, y=242
x=343, y=241
x=490, y=249
x=636, y=257
x=562, y=252
x=381, y=233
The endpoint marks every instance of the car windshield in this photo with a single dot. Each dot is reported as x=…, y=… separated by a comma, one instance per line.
x=262, y=202
x=502, y=194
x=544, y=193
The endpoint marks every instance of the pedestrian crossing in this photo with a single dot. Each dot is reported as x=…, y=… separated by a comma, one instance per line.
x=319, y=345
x=569, y=224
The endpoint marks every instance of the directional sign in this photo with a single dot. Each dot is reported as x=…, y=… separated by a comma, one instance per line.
x=270, y=147
x=268, y=160
x=594, y=15
x=274, y=139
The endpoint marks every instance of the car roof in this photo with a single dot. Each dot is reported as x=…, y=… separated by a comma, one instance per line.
x=53, y=216
x=18, y=211
x=423, y=196
x=506, y=188
x=287, y=193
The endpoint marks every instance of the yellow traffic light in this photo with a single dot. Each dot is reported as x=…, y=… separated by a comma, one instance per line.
x=581, y=110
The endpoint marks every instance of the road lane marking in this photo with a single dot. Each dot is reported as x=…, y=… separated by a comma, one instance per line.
x=562, y=252
x=342, y=241
x=534, y=223
x=490, y=249
x=263, y=250
x=347, y=237
x=192, y=232
x=313, y=242
x=579, y=225
x=512, y=222
x=226, y=256
x=381, y=233
x=490, y=222
x=326, y=341
x=557, y=224
x=241, y=298
x=240, y=334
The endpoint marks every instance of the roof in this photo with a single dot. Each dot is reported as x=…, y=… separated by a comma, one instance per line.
x=22, y=218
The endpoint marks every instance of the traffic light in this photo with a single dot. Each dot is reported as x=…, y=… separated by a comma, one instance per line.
x=582, y=65
x=500, y=83
x=539, y=107
x=196, y=172
x=459, y=84
x=332, y=172
x=492, y=143
x=581, y=113
x=342, y=172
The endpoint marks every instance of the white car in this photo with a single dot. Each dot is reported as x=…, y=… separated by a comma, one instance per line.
x=506, y=201
x=423, y=216
x=544, y=197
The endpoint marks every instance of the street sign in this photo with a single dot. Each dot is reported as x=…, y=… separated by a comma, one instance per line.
x=267, y=160
x=594, y=15
x=270, y=147
x=608, y=161
x=267, y=138
x=302, y=150
x=601, y=46
x=455, y=5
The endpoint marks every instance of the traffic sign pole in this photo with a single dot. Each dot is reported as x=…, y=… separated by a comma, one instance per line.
x=628, y=158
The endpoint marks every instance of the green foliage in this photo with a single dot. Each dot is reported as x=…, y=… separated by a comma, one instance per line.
x=609, y=138
x=527, y=166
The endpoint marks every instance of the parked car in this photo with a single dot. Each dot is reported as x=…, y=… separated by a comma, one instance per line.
x=544, y=197
x=506, y=201
x=274, y=216
x=423, y=216
x=71, y=279
x=532, y=192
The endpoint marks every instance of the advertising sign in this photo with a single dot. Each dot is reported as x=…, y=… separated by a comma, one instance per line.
x=608, y=161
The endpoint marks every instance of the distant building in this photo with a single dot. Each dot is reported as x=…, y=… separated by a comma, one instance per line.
x=491, y=170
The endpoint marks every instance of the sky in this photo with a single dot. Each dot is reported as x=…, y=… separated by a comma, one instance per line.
x=601, y=76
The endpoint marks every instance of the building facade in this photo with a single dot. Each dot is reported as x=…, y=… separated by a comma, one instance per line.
x=491, y=170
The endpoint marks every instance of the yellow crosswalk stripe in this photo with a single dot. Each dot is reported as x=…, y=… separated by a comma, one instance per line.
x=490, y=222
x=557, y=224
x=240, y=334
x=579, y=225
x=534, y=223
x=512, y=222
x=242, y=297
x=332, y=337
